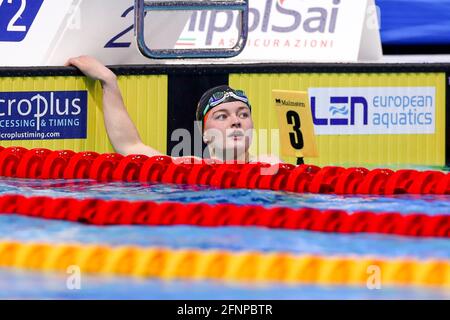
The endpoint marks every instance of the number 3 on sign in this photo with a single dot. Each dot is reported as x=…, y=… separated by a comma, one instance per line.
x=297, y=137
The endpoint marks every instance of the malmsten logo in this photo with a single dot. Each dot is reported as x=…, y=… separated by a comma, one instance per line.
x=289, y=103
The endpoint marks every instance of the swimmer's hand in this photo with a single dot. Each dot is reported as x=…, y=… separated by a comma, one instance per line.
x=92, y=68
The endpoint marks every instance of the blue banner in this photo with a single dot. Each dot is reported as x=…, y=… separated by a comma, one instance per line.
x=415, y=22
x=16, y=18
x=44, y=115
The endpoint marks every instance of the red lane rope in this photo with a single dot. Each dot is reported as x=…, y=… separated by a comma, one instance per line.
x=119, y=212
x=45, y=164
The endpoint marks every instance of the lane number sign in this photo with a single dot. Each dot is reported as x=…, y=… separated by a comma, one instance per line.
x=297, y=136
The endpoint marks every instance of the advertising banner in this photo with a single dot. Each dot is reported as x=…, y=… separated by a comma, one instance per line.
x=373, y=119
x=47, y=33
x=291, y=30
x=374, y=110
x=43, y=115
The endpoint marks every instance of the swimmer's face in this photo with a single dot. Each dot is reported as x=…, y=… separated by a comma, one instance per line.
x=229, y=127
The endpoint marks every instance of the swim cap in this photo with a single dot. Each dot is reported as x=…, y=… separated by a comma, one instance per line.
x=216, y=96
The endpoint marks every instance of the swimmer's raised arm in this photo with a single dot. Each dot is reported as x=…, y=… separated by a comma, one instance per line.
x=120, y=128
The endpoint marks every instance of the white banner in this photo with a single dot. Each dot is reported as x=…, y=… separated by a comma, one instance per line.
x=27, y=28
x=47, y=32
x=373, y=110
x=105, y=29
x=293, y=30
x=51, y=31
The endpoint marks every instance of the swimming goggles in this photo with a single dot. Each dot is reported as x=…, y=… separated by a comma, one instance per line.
x=221, y=96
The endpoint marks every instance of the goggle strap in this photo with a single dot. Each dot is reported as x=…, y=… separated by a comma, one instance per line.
x=224, y=96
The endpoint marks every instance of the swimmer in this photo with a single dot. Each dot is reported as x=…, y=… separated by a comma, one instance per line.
x=225, y=115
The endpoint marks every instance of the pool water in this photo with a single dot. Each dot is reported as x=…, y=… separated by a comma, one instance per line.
x=81, y=189
x=24, y=284
x=29, y=285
